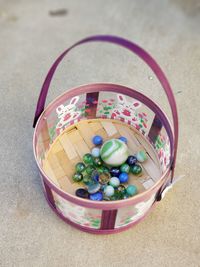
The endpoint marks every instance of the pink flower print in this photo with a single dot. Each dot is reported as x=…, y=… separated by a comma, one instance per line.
x=136, y=104
x=126, y=112
x=144, y=124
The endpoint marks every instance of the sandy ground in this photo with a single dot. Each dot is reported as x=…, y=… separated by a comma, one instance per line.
x=32, y=34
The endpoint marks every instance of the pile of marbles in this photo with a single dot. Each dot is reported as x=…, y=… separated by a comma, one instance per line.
x=105, y=171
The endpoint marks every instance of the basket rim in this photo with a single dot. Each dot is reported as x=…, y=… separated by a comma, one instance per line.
x=117, y=203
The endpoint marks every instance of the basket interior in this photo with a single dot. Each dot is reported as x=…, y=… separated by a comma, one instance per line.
x=64, y=132
x=75, y=141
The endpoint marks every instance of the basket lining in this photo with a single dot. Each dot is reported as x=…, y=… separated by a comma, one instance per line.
x=75, y=141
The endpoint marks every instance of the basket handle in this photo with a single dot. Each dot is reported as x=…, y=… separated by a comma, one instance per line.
x=135, y=49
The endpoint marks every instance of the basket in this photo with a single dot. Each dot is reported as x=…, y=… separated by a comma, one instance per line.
x=63, y=132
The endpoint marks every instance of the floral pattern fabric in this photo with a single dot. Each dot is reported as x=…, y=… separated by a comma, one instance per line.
x=131, y=214
x=162, y=147
x=84, y=216
x=125, y=109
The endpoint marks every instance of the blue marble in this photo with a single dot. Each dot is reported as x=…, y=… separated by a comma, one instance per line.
x=115, y=172
x=97, y=140
x=81, y=192
x=123, y=139
x=98, y=196
x=131, y=160
x=95, y=176
x=123, y=177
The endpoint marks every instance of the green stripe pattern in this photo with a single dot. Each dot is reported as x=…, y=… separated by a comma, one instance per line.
x=114, y=152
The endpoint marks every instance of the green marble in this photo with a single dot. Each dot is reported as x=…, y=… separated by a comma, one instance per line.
x=113, y=198
x=80, y=167
x=121, y=188
x=136, y=169
x=125, y=168
x=77, y=177
x=102, y=169
x=117, y=195
x=89, y=169
x=88, y=159
x=97, y=161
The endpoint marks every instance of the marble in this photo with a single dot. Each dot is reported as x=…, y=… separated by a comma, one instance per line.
x=114, y=181
x=97, y=140
x=109, y=191
x=119, y=193
x=136, y=169
x=121, y=188
x=131, y=160
x=95, y=176
x=123, y=139
x=104, y=178
x=89, y=169
x=125, y=168
x=98, y=196
x=77, y=177
x=95, y=152
x=81, y=192
x=80, y=167
x=131, y=190
x=97, y=161
x=114, y=152
x=141, y=156
x=123, y=177
x=102, y=169
x=88, y=159
x=94, y=188
x=115, y=172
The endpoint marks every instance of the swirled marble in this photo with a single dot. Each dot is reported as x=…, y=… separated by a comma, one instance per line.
x=114, y=152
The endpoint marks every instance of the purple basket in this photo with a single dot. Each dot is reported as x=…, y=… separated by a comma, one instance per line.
x=112, y=216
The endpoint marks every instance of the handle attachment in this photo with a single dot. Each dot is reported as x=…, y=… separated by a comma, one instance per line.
x=139, y=52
